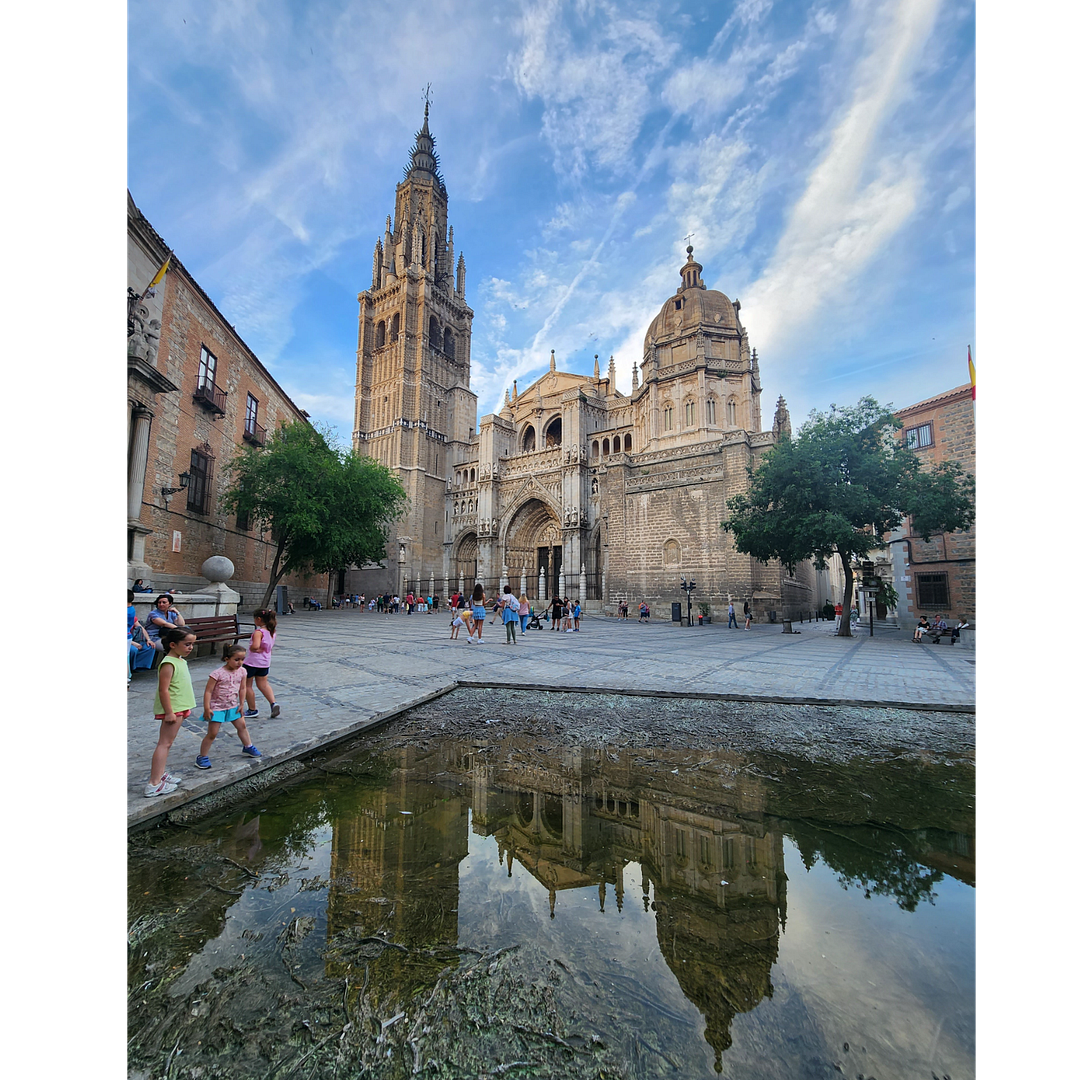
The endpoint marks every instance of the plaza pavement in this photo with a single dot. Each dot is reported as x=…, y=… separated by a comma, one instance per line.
x=335, y=673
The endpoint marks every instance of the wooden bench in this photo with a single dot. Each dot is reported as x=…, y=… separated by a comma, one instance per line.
x=216, y=628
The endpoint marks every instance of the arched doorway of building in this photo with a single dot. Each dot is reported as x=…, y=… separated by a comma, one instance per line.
x=534, y=542
x=463, y=563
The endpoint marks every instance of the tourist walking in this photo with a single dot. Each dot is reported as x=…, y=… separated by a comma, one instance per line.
x=731, y=616
x=838, y=610
x=173, y=702
x=577, y=616
x=524, y=613
x=478, y=613
x=257, y=663
x=748, y=614
x=643, y=612
x=223, y=703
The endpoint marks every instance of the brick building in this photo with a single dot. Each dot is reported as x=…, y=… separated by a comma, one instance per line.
x=937, y=577
x=196, y=392
x=573, y=487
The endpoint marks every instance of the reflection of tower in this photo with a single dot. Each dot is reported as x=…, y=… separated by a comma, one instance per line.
x=395, y=874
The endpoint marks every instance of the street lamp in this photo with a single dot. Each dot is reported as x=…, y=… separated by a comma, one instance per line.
x=168, y=492
x=688, y=587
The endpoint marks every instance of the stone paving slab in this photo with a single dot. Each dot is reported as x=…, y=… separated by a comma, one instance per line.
x=336, y=673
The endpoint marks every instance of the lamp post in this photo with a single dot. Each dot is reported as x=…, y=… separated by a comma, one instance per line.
x=688, y=587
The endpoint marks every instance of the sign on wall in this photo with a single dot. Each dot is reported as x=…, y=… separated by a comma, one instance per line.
x=176, y=540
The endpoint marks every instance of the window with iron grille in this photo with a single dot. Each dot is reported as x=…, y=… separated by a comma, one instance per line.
x=202, y=473
x=252, y=417
x=933, y=590
x=918, y=437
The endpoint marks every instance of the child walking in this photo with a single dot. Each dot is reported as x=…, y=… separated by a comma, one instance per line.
x=257, y=664
x=173, y=703
x=223, y=703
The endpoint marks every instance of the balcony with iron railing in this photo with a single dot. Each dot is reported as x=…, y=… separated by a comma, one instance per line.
x=255, y=433
x=209, y=396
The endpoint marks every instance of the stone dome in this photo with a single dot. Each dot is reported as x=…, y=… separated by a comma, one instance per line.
x=693, y=307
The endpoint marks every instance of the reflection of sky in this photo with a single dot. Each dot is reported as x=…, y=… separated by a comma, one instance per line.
x=616, y=949
x=901, y=984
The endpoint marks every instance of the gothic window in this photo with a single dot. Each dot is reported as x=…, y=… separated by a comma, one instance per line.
x=595, y=448
x=669, y=417
x=395, y=326
x=710, y=411
x=448, y=343
x=671, y=553
x=380, y=334
x=528, y=439
x=626, y=443
x=606, y=448
x=732, y=416
x=690, y=413
x=616, y=444
x=433, y=332
x=472, y=476
x=553, y=436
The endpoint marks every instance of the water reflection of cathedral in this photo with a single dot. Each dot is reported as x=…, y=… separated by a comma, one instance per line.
x=711, y=869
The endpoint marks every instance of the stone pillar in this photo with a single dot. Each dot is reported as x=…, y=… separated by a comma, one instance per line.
x=541, y=586
x=562, y=582
x=217, y=570
x=504, y=577
x=140, y=445
x=431, y=584
x=522, y=583
x=582, y=586
x=460, y=584
x=136, y=566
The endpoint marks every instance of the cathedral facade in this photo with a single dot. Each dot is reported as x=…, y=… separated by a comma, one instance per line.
x=573, y=488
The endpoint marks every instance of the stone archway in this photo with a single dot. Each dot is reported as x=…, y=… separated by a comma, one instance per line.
x=533, y=538
x=463, y=561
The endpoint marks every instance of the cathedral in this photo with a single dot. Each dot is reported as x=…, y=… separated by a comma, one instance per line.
x=574, y=488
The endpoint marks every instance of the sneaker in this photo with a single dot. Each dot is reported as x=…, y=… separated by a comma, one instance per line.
x=162, y=789
x=171, y=778
x=251, y=751
x=202, y=762
x=275, y=711
x=251, y=714
x=469, y=641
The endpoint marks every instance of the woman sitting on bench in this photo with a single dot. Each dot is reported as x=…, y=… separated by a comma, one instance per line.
x=922, y=628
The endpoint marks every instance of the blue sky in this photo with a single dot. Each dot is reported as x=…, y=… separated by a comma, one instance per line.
x=822, y=154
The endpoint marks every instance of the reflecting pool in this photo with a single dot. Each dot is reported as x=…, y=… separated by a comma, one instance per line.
x=492, y=906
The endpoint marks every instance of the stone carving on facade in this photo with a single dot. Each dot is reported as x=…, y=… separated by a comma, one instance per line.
x=485, y=470
x=144, y=336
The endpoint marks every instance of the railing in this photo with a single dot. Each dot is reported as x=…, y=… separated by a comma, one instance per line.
x=254, y=433
x=208, y=394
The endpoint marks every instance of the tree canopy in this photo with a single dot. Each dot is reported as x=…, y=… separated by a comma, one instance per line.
x=839, y=487
x=325, y=508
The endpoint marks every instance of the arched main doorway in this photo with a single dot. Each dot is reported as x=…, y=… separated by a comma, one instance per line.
x=534, y=541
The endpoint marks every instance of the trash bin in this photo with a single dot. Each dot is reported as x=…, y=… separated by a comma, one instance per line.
x=772, y=616
x=787, y=627
x=676, y=613
x=701, y=620
x=281, y=604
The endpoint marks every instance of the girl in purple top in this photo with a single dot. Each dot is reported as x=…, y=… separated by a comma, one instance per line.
x=223, y=704
x=257, y=664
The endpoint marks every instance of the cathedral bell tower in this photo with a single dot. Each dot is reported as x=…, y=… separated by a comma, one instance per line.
x=414, y=408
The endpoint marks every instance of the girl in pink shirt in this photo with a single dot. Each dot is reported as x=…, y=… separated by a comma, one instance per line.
x=223, y=701
x=257, y=664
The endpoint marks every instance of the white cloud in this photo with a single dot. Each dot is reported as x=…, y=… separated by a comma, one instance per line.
x=958, y=197
x=842, y=222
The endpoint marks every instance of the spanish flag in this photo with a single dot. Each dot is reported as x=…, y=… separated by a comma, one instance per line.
x=971, y=374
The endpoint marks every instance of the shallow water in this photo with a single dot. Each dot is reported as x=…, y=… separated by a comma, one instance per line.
x=487, y=906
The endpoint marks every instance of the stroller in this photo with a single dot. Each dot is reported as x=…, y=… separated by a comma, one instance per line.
x=534, y=623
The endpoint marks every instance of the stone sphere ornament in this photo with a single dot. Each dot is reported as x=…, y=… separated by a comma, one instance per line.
x=217, y=568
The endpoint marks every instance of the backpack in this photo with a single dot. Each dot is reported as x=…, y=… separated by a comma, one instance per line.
x=512, y=603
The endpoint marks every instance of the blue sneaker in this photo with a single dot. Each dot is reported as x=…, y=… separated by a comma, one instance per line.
x=251, y=713
x=251, y=751
x=202, y=762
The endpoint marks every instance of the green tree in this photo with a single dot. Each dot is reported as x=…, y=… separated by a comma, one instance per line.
x=324, y=508
x=844, y=482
